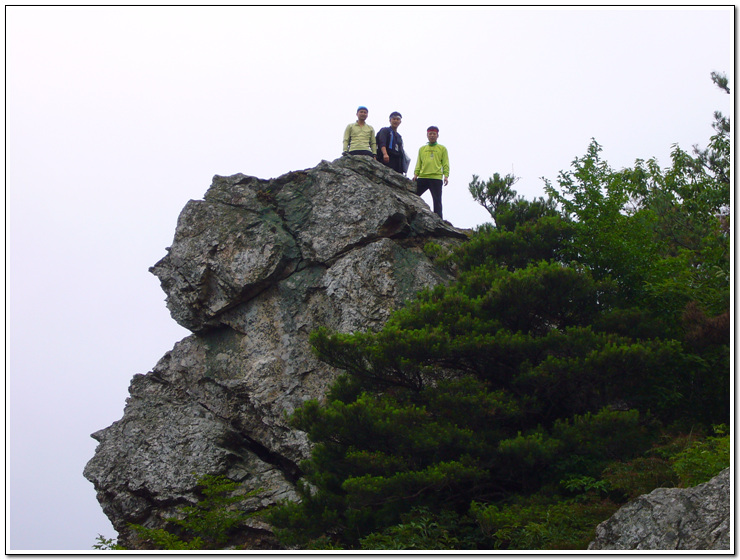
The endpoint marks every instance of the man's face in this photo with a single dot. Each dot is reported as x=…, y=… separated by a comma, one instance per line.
x=362, y=115
x=395, y=121
x=432, y=136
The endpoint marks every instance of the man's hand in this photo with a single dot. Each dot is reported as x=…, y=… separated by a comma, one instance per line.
x=446, y=179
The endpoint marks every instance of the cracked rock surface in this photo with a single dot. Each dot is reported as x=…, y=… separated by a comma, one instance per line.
x=253, y=269
x=695, y=518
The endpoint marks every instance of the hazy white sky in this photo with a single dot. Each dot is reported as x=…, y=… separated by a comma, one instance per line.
x=117, y=116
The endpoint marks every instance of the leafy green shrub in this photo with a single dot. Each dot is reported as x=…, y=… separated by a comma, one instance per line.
x=683, y=460
x=640, y=476
x=208, y=524
x=532, y=241
x=103, y=543
x=420, y=529
x=565, y=525
x=438, y=254
x=591, y=441
x=161, y=539
x=585, y=485
x=508, y=211
x=703, y=460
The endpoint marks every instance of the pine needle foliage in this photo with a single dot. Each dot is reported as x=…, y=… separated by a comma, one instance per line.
x=207, y=525
x=503, y=411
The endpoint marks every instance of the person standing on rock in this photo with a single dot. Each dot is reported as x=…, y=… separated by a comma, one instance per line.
x=432, y=169
x=390, y=145
x=359, y=137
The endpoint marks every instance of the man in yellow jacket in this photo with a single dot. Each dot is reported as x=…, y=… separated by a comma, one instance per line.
x=432, y=169
x=359, y=137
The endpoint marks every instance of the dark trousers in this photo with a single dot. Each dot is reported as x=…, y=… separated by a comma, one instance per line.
x=362, y=153
x=434, y=186
x=395, y=163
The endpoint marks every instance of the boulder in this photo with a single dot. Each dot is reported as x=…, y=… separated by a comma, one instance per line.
x=695, y=518
x=254, y=268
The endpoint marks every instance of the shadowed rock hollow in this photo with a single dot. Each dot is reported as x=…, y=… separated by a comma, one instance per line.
x=254, y=268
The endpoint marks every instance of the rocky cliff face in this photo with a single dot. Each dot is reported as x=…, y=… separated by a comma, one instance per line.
x=695, y=518
x=253, y=269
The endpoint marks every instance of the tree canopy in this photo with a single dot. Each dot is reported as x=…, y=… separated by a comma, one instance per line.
x=585, y=335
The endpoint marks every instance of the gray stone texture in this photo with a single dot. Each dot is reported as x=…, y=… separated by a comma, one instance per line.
x=695, y=518
x=254, y=268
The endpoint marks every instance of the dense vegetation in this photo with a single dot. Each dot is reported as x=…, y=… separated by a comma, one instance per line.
x=210, y=524
x=580, y=358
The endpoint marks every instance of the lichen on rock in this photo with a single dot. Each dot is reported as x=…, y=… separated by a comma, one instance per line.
x=253, y=269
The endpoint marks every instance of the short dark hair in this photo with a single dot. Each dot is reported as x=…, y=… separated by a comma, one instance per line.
x=432, y=128
x=395, y=114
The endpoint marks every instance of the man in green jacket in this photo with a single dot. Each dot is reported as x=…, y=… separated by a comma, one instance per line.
x=432, y=169
x=359, y=137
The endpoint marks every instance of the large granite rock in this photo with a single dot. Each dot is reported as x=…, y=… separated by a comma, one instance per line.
x=695, y=518
x=254, y=268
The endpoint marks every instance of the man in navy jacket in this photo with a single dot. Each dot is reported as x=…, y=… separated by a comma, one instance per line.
x=390, y=144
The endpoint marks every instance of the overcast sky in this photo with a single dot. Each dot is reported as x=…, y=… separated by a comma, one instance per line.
x=116, y=117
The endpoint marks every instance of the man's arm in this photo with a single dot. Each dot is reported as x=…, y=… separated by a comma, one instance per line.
x=345, y=142
x=373, y=143
x=417, y=169
x=445, y=165
x=382, y=140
